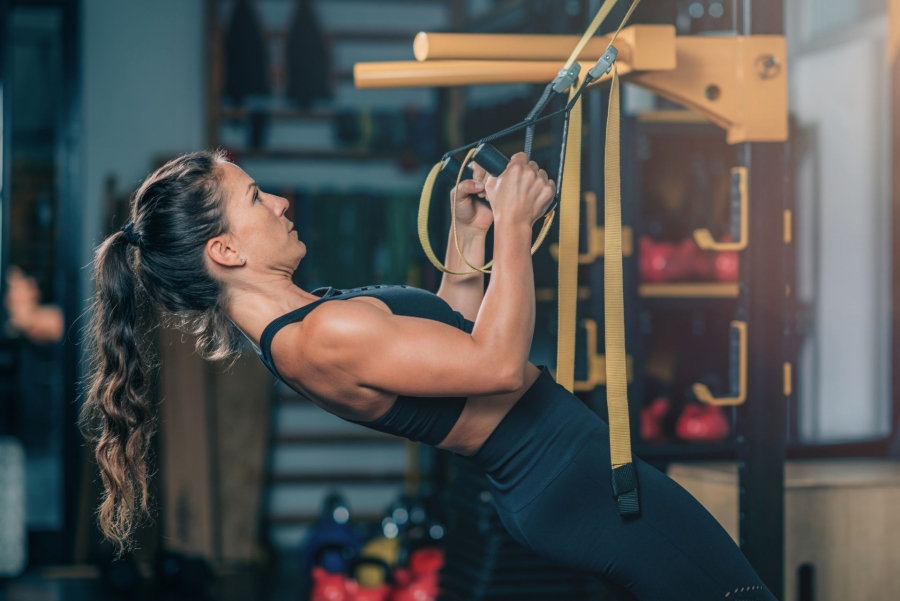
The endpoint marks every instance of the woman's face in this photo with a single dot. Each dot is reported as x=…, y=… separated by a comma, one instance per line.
x=258, y=232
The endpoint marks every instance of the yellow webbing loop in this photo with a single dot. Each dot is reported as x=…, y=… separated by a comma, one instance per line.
x=425, y=207
x=613, y=294
x=569, y=224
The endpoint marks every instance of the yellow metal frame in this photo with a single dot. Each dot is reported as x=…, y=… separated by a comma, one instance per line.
x=703, y=393
x=596, y=362
x=690, y=290
x=737, y=82
x=596, y=235
x=704, y=238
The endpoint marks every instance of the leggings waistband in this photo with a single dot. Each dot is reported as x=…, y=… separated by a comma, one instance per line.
x=534, y=442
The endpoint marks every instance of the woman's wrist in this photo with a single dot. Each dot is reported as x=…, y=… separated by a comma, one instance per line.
x=512, y=227
x=468, y=233
x=471, y=242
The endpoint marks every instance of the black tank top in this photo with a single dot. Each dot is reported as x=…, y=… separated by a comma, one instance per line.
x=425, y=419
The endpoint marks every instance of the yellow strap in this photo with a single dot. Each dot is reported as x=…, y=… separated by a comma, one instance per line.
x=569, y=225
x=591, y=30
x=569, y=228
x=428, y=188
x=613, y=295
x=616, y=382
x=425, y=207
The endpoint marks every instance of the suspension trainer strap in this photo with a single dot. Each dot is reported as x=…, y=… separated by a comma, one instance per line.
x=425, y=207
x=591, y=30
x=624, y=477
x=569, y=227
x=529, y=131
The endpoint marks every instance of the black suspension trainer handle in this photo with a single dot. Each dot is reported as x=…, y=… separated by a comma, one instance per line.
x=490, y=159
x=450, y=170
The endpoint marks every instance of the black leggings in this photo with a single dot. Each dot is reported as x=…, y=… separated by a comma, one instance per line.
x=548, y=464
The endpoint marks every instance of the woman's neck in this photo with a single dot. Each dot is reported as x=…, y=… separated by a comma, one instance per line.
x=253, y=306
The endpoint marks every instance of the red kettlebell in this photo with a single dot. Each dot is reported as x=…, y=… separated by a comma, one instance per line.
x=652, y=417
x=654, y=259
x=360, y=593
x=723, y=266
x=682, y=263
x=702, y=424
x=427, y=560
x=702, y=267
x=727, y=265
x=328, y=586
x=420, y=581
x=382, y=592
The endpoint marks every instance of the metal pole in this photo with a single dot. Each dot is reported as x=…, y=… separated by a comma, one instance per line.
x=761, y=423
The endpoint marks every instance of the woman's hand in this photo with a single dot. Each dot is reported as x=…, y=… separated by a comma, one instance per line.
x=471, y=211
x=522, y=193
x=39, y=323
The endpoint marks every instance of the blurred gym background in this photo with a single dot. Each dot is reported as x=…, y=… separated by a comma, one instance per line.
x=255, y=485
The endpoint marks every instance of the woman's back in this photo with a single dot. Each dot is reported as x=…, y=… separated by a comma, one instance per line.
x=419, y=419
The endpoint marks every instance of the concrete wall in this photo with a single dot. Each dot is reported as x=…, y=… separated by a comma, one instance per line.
x=143, y=97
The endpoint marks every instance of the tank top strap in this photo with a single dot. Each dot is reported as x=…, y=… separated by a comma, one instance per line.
x=265, y=340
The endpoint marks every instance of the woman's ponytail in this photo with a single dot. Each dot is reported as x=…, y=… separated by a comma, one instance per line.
x=116, y=416
x=160, y=273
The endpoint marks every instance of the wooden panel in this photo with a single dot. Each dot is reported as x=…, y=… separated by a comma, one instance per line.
x=185, y=458
x=841, y=516
x=715, y=488
x=243, y=397
x=849, y=535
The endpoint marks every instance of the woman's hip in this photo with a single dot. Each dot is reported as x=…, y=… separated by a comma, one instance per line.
x=535, y=442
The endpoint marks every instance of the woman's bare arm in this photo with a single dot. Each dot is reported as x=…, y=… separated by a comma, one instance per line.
x=474, y=218
x=368, y=347
x=464, y=292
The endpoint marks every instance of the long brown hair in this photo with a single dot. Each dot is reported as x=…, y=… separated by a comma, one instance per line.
x=157, y=270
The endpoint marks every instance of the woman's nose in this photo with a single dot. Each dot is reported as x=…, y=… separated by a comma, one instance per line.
x=285, y=204
x=280, y=205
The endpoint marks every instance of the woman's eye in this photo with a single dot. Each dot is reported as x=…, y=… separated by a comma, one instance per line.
x=256, y=196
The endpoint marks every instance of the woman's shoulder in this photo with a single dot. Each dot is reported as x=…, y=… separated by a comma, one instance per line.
x=335, y=318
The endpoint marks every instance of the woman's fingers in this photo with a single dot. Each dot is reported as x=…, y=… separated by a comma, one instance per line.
x=479, y=174
x=469, y=187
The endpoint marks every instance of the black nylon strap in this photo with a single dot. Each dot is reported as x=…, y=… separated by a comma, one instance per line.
x=625, y=489
x=528, y=124
x=523, y=124
x=529, y=131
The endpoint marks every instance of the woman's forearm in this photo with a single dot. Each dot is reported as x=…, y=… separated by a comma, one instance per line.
x=464, y=292
x=505, y=321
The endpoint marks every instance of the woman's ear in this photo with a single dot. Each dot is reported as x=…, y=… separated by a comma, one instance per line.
x=222, y=252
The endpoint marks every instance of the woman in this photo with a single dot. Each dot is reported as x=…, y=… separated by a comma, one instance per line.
x=208, y=247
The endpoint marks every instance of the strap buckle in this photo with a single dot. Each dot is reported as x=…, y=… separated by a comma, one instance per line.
x=605, y=63
x=566, y=78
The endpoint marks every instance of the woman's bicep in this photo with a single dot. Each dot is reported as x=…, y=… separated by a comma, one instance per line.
x=406, y=355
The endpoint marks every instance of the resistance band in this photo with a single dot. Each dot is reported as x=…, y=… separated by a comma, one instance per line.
x=624, y=479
